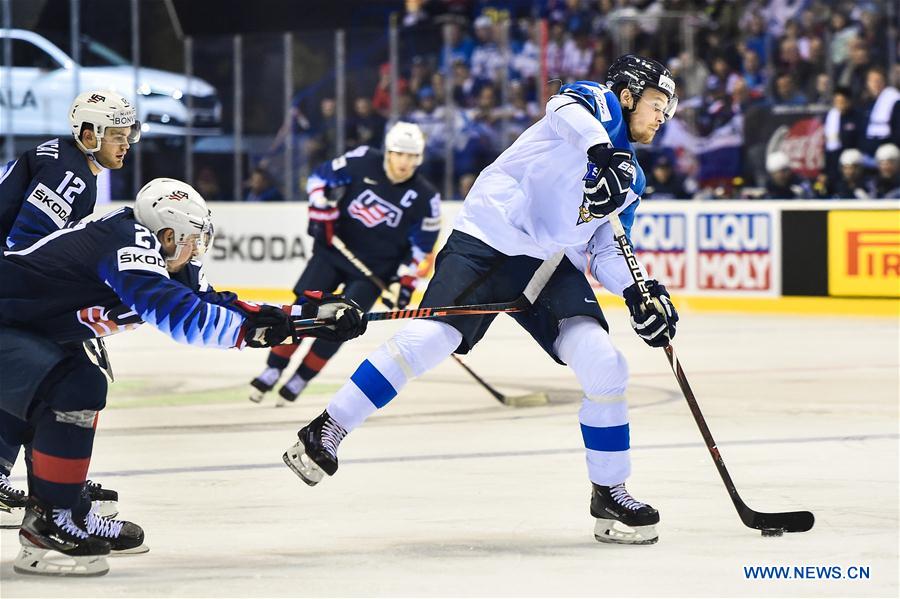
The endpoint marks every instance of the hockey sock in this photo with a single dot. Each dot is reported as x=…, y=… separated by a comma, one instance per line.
x=316, y=359
x=418, y=348
x=280, y=356
x=603, y=374
x=64, y=422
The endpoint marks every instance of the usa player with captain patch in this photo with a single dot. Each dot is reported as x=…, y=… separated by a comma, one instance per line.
x=526, y=225
x=388, y=217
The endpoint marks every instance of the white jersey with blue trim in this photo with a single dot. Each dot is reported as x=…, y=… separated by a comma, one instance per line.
x=528, y=201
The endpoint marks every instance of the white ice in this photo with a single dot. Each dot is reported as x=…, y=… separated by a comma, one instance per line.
x=447, y=493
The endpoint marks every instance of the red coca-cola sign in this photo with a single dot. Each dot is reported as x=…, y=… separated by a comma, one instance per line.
x=804, y=143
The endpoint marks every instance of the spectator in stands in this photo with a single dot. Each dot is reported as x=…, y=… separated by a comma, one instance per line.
x=366, y=127
x=790, y=61
x=694, y=76
x=526, y=60
x=754, y=74
x=887, y=183
x=419, y=75
x=786, y=92
x=782, y=183
x=323, y=133
x=381, y=98
x=520, y=113
x=757, y=37
x=427, y=119
x=461, y=45
x=260, y=187
x=664, y=183
x=853, y=73
x=578, y=53
x=722, y=76
x=843, y=124
x=842, y=35
x=465, y=84
x=553, y=54
x=853, y=183
x=207, y=183
x=883, y=121
x=486, y=60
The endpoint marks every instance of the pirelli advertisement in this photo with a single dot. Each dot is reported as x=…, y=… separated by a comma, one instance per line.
x=728, y=248
x=864, y=253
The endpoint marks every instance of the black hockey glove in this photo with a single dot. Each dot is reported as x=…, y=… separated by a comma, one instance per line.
x=401, y=287
x=265, y=325
x=609, y=176
x=656, y=324
x=347, y=316
x=323, y=221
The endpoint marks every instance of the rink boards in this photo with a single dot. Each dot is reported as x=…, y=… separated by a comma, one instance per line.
x=728, y=250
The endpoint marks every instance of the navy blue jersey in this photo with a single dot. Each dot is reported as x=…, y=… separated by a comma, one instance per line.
x=381, y=222
x=48, y=188
x=98, y=278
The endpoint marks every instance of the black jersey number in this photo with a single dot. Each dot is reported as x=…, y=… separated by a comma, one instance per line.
x=70, y=187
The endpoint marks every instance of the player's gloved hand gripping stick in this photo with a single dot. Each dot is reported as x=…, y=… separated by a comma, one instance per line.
x=771, y=524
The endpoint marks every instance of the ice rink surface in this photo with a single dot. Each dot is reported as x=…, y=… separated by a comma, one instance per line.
x=448, y=493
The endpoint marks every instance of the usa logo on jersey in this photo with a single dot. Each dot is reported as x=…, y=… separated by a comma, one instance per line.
x=371, y=210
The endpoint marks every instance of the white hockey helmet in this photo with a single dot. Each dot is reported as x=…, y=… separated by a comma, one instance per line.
x=173, y=204
x=102, y=109
x=777, y=161
x=407, y=138
x=887, y=152
x=851, y=157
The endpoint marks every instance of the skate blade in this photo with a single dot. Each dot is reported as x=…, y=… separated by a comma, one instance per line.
x=11, y=517
x=133, y=551
x=282, y=402
x=106, y=509
x=296, y=459
x=47, y=562
x=256, y=395
x=613, y=531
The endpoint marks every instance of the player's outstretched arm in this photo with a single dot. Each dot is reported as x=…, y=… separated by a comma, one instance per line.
x=139, y=277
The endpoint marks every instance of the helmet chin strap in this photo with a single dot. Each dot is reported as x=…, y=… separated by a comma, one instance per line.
x=627, y=112
x=91, y=153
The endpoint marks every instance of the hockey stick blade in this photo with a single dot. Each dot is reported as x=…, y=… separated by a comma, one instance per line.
x=787, y=521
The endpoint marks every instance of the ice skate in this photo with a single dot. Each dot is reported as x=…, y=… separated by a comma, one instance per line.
x=263, y=384
x=12, y=504
x=315, y=454
x=106, y=500
x=290, y=390
x=54, y=545
x=123, y=537
x=621, y=518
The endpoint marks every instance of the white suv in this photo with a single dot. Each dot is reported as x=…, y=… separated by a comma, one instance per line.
x=42, y=88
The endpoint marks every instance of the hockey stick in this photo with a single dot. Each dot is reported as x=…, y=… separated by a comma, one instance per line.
x=532, y=399
x=770, y=523
x=518, y=305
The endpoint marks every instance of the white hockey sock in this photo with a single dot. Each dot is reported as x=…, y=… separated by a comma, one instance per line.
x=419, y=347
x=603, y=374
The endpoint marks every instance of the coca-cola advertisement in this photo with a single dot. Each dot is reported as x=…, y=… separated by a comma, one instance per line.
x=797, y=131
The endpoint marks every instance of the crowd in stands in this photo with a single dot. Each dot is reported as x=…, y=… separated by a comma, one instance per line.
x=825, y=63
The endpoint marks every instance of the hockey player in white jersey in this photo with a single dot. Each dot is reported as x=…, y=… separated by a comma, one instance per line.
x=529, y=215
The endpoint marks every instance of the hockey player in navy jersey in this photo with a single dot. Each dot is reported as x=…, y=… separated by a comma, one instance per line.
x=534, y=214
x=92, y=280
x=50, y=187
x=386, y=214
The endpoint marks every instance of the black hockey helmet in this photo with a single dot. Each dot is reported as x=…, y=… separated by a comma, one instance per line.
x=637, y=74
